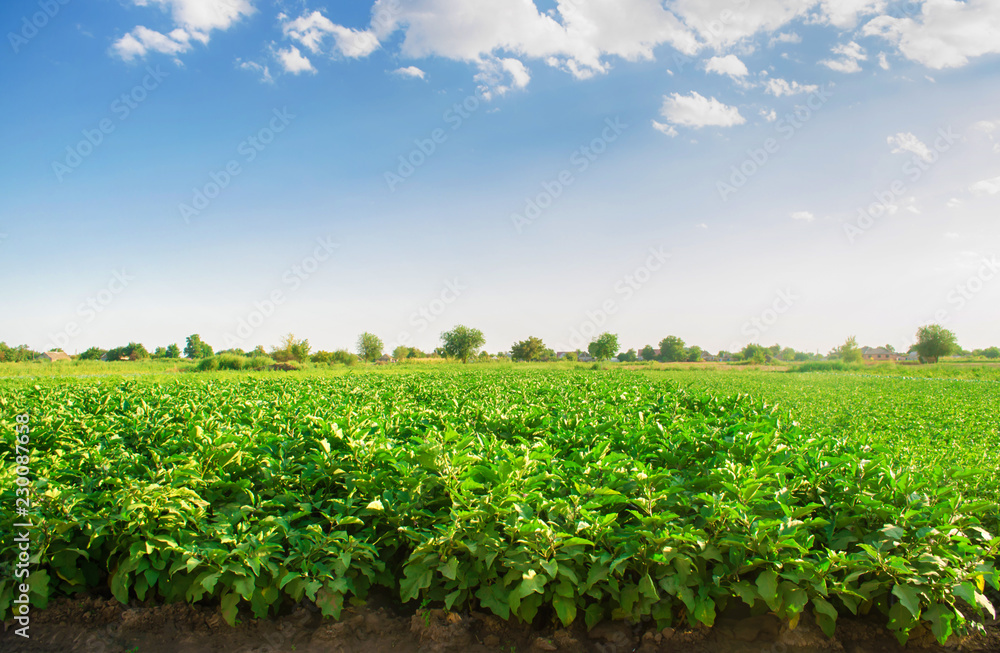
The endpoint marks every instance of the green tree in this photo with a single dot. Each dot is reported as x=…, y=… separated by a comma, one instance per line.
x=756, y=354
x=401, y=352
x=935, y=341
x=672, y=349
x=694, y=354
x=628, y=356
x=173, y=351
x=462, y=342
x=527, y=350
x=322, y=357
x=291, y=349
x=603, y=346
x=195, y=347
x=992, y=352
x=160, y=352
x=343, y=357
x=849, y=352
x=370, y=347
x=133, y=351
x=648, y=353
x=93, y=354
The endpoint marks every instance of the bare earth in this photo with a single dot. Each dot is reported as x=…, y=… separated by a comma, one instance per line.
x=99, y=625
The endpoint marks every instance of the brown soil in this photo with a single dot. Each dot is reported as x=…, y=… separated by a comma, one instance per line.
x=98, y=625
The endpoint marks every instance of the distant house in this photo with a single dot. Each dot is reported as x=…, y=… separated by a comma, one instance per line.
x=386, y=358
x=879, y=355
x=53, y=356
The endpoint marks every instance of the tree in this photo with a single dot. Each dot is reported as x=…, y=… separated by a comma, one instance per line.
x=343, y=357
x=755, y=353
x=849, y=352
x=648, y=353
x=462, y=342
x=401, y=352
x=603, y=346
x=93, y=354
x=934, y=341
x=195, y=347
x=694, y=354
x=628, y=356
x=672, y=349
x=787, y=354
x=992, y=352
x=173, y=351
x=527, y=350
x=160, y=352
x=889, y=348
x=291, y=349
x=322, y=357
x=370, y=347
x=133, y=351
x=572, y=356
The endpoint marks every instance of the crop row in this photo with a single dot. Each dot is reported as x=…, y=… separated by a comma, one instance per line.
x=563, y=495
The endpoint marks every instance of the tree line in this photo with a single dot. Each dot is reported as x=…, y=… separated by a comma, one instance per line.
x=465, y=343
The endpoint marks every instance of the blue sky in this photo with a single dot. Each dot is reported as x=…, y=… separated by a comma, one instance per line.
x=554, y=169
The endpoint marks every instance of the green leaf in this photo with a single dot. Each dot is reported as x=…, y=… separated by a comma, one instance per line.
x=826, y=615
x=767, y=585
x=909, y=597
x=942, y=618
x=565, y=608
x=230, y=603
x=450, y=569
x=415, y=578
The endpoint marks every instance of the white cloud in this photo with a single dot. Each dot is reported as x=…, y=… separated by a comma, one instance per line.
x=665, y=129
x=722, y=23
x=142, y=40
x=696, y=111
x=986, y=187
x=954, y=203
x=845, y=13
x=253, y=66
x=294, y=61
x=576, y=36
x=312, y=30
x=907, y=142
x=784, y=37
x=805, y=216
x=778, y=87
x=883, y=61
x=497, y=77
x=194, y=20
x=769, y=115
x=702, y=225
x=850, y=54
x=947, y=33
x=727, y=65
x=410, y=71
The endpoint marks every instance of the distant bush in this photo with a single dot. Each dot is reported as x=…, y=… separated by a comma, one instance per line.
x=208, y=364
x=343, y=357
x=259, y=362
x=823, y=366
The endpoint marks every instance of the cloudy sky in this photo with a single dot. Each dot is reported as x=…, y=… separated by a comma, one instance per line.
x=790, y=171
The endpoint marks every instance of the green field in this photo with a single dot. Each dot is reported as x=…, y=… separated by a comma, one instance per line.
x=535, y=492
